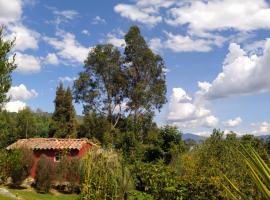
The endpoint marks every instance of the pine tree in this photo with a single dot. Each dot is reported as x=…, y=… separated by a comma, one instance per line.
x=63, y=119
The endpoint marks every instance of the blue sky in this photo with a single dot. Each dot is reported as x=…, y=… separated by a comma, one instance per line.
x=217, y=54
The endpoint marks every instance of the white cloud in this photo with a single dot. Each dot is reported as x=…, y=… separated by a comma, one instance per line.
x=85, y=32
x=17, y=94
x=265, y=127
x=25, y=38
x=241, y=74
x=98, y=20
x=52, y=59
x=179, y=43
x=27, y=63
x=66, y=79
x=10, y=12
x=139, y=13
x=233, y=122
x=156, y=44
x=21, y=93
x=242, y=15
x=188, y=43
x=14, y=106
x=114, y=40
x=68, y=14
x=186, y=113
x=68, y=47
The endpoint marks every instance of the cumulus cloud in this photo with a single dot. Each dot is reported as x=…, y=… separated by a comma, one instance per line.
x=17, y=95
x=187, y=113
x=27, y=63
x=68, y=48
x=14, y=106
x=21, y=93
x=52, y=59
x=25, y=38
x=241, y=15
x=10, y=12
x=233, y=122
x=241, y=74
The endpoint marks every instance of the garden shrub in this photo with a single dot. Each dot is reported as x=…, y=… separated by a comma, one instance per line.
x=158, y=180
x=44, y=174
x=18, y=165
x=68, y=174
x=104, y=176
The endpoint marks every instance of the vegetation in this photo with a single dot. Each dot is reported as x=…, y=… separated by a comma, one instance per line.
x=6, y=66
x=64, y=122
x=120, y=92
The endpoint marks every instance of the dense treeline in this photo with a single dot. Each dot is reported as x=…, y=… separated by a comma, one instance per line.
x=120, y=92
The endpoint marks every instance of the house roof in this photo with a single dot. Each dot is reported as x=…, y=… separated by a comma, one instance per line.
x=50, y=143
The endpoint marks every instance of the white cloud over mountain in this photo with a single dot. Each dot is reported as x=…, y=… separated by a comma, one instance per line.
x=233, y=122
x=187, y=113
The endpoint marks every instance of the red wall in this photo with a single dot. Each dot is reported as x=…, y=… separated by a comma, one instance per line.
x=51, y=155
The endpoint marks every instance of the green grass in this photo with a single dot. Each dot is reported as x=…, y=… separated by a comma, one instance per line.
x=5, y=198
x=32, y=195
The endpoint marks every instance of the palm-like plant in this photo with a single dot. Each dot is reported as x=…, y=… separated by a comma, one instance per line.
x=258, y=170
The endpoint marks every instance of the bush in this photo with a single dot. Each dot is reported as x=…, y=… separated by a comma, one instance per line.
x=68, y=174
x=18, y=165
x=158, y=180
x=45, y=174
x=104, y=176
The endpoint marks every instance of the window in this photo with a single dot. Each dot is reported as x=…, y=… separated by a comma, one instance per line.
x=57, y=157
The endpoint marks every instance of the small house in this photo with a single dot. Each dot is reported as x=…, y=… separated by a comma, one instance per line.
x=53, y=148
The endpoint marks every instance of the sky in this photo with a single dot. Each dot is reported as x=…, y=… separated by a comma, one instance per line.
x=217, y=55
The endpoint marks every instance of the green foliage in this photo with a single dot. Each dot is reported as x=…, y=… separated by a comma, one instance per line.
x=158, y=180
x=96, y=126
x=8, y=128
x=63, y=120
x=68, y=170
x=258, y=170
x=101, y=86
x=7, y=65
x=18, y=165
x=104, y=176
x=145, y=72
x=45, y=174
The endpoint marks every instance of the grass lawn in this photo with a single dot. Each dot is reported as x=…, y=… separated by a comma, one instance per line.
x=32, y=195
x=5, y=198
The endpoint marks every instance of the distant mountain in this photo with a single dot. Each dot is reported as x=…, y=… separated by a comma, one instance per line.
x=197, y=138
x=264, y=137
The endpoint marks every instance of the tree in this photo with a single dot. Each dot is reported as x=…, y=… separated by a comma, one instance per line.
x=26, y=124
x=146, y=77
x=64, y=118
x=7, y=65
x=101, y=86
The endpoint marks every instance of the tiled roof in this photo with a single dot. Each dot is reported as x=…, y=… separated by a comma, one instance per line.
x=50, y=143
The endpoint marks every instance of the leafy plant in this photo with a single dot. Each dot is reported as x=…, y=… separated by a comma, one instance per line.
x=45, y=174
x=104, y=176
x=258, y=170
